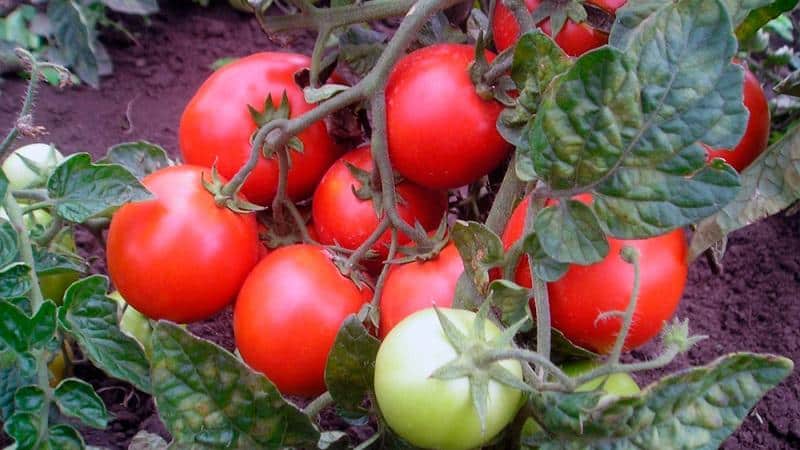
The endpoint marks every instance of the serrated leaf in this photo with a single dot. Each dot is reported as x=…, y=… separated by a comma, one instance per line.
x=761, y=12
x=480, y=249
x=91, y=319
x=75, y=38
x=512, y=301
x=64, y=437
x=538, y=58
x=77, y=398
x=145, y=440
x=438, y=30
x=15, y=280
x=204, y=391
x=24, y=429
x=770, y=184
x=9, y=243
x=697, y=408
x=141, y=7
x=569, y=232
x=3, y=186
x=20, y=332
x=141, y=158
x=48, y=262
x=351, y=365
x=82, y=189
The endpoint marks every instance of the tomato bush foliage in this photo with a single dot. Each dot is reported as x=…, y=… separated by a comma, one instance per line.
x=397, y=309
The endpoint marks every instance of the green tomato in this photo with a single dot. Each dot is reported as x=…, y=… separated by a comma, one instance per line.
x=435, y=413
x=31, y=165
x=617, y=383
x=134, y=324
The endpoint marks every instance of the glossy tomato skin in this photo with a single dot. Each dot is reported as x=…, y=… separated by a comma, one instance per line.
x=216, y=125
x=418, y=285
x=580, y=296
x=441, y=133
x=288, y=313
x=574, y=38
x=756, y=135
x=341, y=217
x=179, y=256
x=432, y=413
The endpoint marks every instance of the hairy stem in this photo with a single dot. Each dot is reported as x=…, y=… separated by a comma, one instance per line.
x=521, y=15
x=616, y=351
x=662, y=360
x=540, y=294
x=542, y=361
x=510, y=190
x=27, y=104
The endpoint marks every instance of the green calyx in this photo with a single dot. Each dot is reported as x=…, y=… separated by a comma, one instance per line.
x=215, y=187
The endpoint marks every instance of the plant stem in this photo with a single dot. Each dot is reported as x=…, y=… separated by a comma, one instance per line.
x=365, y=246
x=318, y=404
x=333, y=18
x=510, y=190
x=540, y=294
x=616, y=351
x=371, y=440
x=316, y=55
x=607, y=369
x=281, y=197
x=536, y=358
x=27, y=104
x=37, y=195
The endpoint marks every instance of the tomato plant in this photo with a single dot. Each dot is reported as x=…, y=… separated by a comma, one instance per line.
x=224, y=99
x=574, y=38
x=440, y=133
x=584, y=293
x=344, y=212
x=180, y=256
x=418, y=285
x=30, y=165
x=288, y=290
x=616, y=383
x=433, y=413
x=134, y=323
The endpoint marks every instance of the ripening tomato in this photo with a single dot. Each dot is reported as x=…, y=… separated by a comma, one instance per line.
x=580, y=296
x=756, y=136
x=216, y=126
x=179, y=256
x=418, y=285
x=288, y=313
x=341, y=217
x=574, y=38
x=433, y=413
x=441, y=133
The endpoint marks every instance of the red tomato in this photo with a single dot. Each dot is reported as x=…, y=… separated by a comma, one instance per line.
x=574, y=38
x=418, y=285
x=756, y=136
x=180, y=256
x=216, y=125
x=341, y=217
x=577, y=299
x=288, y=313
x=441, y=133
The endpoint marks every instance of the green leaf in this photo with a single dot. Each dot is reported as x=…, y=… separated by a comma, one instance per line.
x=24, y=429
x=8, y=243
x=351, y=365
x=537, y=60
x=208, y=398
x=697, y=408
x=140, y=7
x=15, y=280
x=82, y=189
x=141, y=158
x=22, y=333
x=48, y=262
x=569, y=232
x=544, y=266
x=90, y=317
x=64, y=437
x=11, y=379
x=762, y=12
x=77, y=398
x=480, y=249
x=512, y=301
x=360, y=47
x=3, y=186
x=29, y=399
x=770, y=184
x=75, y=38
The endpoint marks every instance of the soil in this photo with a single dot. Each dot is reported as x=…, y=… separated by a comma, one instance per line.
x=753, y=306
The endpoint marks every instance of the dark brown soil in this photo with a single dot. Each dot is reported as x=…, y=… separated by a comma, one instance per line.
x=753, y=306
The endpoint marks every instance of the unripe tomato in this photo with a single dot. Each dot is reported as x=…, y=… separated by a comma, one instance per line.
x=179, y=256
x=216, y=126
x=617, y=383
x=20, y=175
x=756, y=136
x=134, y=324
x=429, y=412
x=341, y=217
x=418, y=285
x=574, y=38
x=288, y=313
x=584, y=292
x=441, y=133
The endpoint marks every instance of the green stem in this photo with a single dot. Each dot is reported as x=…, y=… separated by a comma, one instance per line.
x=281, y=197
x=540, y=294
x=510, y=190
x=513, y=256
x=616, y=351
x=359, y=253
x=27, y=104
x=333, y=18
x=238, y=180
x=662, y=360
x=37, y=195
x=535, y=358
x=313, y=409
x=52, y=231
x=316, y=55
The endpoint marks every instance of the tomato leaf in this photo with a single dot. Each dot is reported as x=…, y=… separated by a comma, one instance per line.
x=349, y=372
x=740, y=9
x=8, y=243
x=49, y=262
x=770, y=184
x=15, y=280
x=569, y=232
x=360, y=47
x=20, y=332
x=82, y=189
x=207, y=397
x=3, y=186
x=12, y=378
x=64, y=437
x=141, y=158
x=75, y=38
x=545, y=267
x=30, y=399
x=23, y=427
x=141, y=7
x=697, y=408
x=480, y=249
x=77, y=398
x=90, y=317
x=760, y=16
